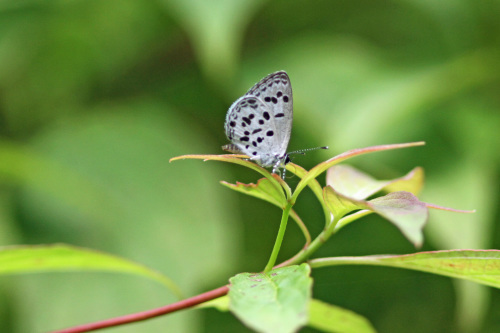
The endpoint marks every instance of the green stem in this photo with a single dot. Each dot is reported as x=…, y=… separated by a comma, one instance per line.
x=315, y=245
x=331, y=228
x=279, y=238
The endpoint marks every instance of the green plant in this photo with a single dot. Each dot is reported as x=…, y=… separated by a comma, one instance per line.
x=279, y=298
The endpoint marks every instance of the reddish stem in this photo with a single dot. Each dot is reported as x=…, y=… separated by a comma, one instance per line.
x=135, y=317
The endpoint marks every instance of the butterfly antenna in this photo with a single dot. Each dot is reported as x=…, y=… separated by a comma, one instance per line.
x=303, y=151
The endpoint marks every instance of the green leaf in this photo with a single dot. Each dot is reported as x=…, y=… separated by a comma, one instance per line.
x=339, y=204
x=405, y=211
x=322, y=167
x=65, y=258
x=358, y=185
x=241, y=160
x=331, y=318
x=273, y=302
x=264, y=190
x=412, y=182
x=481, y=266
x=402, y=209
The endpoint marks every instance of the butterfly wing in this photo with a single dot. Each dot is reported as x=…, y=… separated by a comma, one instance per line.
x=275, y=90
x=251, y=127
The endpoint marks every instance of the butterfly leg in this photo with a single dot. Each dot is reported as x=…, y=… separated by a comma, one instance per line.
x=276, y=169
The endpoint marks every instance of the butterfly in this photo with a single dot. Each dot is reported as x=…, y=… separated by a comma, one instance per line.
x=259, y=124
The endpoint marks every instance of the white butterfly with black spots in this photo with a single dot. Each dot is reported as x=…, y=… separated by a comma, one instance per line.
x=259, y=123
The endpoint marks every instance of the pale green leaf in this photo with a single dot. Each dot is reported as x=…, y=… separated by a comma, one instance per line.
x=264, y=190
x=66, y=258
x=402, y=209
x=481, y=266
x=339, y=204
x=330, y=318
x=274, y=302
x=240, y=159
x=405, y=211
x=358, y=185
x=322, y=167
x=412, y=182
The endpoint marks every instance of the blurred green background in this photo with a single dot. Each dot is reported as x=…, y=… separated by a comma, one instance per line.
x=96, y=96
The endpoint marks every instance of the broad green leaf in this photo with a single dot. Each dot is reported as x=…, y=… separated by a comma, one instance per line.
x=330, y=318
x=358, y=185
x=405, y=211
x=64, y=258
x=274, y=302
x=481, y=266
x=264, y=190
x=322, y=167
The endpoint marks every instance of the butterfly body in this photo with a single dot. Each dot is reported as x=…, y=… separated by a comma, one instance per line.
x=259, y=123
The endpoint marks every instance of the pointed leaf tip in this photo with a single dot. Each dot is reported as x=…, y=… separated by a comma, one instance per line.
x=450, y=209
x=22, y=259
x=322, y=167
x=355, y=184
x=480, y=266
